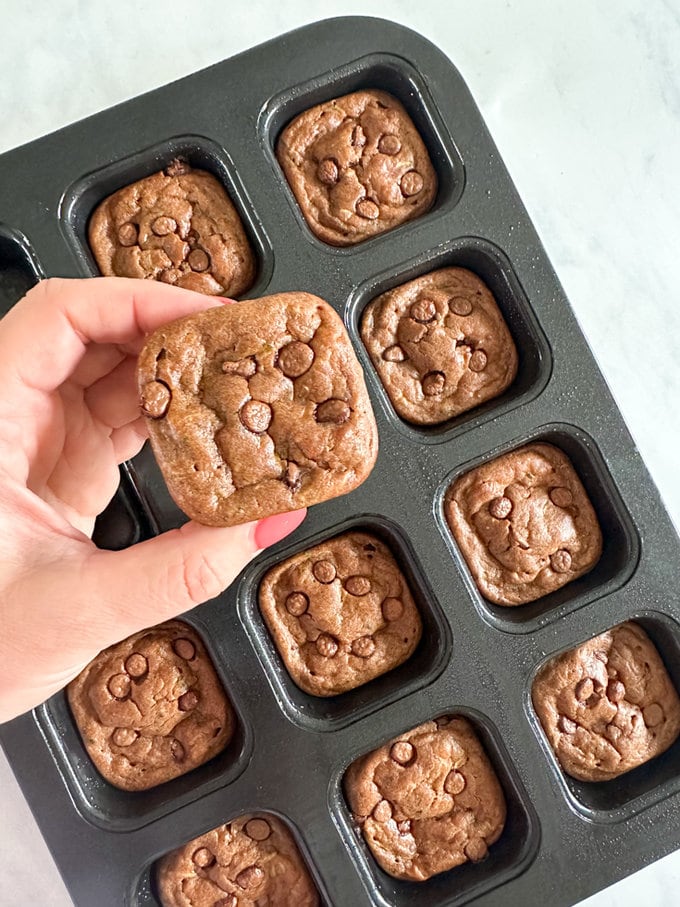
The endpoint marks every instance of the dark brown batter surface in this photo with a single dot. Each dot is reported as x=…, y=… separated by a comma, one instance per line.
x=357, y=167
x=341, y=613
x=257, y=408
x=524, y=524
x=178, y=226
x=428, y=800
x=440, y=345
x=151, y=708
x=608, y=705
x=250, y=862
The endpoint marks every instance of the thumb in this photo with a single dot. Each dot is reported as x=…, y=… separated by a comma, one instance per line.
x=162, y=577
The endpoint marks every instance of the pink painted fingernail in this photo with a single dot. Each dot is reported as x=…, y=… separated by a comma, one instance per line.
x=225, y=299
x=274, y=528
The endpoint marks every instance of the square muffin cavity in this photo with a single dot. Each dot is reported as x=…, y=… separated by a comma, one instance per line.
x=178, y=226
x=257, y=408
x=357, y=167
x=151, y=708
x=524, y=524
x=608, y=705
x=440, y=345
x=251, y=860
x=427, y=801
x=341, y=613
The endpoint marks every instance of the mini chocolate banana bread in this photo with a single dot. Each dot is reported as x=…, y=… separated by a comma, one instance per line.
x=151, y=708
x=257, y=408
x=440, y=345
x=341, y=613
x=249, y=862
x=178, y=226
x=357, y=167
x=608, y=705
x=428, y=800
x=524, y=524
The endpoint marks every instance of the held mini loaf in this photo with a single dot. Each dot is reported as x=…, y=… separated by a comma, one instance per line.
x=256, y=408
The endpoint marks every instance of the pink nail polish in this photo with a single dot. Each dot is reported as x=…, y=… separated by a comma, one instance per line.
x=226, y=300
x=274, y=528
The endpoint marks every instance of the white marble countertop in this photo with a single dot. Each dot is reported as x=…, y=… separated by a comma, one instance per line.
x=583, y=101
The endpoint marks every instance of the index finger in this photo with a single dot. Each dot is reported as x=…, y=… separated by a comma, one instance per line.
x=45, y=335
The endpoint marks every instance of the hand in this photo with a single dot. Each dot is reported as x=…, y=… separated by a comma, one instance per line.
x=69, y=414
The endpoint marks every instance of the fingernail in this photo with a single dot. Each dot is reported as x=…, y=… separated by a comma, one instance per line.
x=274, y=528
x=225, y=299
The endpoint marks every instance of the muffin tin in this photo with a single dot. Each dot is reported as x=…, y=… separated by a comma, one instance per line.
x=563, y=839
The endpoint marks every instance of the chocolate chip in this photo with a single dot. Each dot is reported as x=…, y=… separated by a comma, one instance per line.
x=328, y=171
x=476, y=850
x=382, y=811
x=136, y=665
x=566, y=725
x=392, y=609
x=297, y=603
x=411, y=183
x=500, y=508
x=124, y=736
x=367, y=209
x=584, y=689
x=119, y=686
x=170, y=275
x=402, y=752
x=127, y=234
x=478, y=361
x=326, y=645
x=561, y=497
x=295, y=359
x=198, y=260
x=652, y=714
x=244, y=368
x=324, y=571
x=358, y=137
x=423, y=311
x=187, y=701
x=203, y=857
x=616, y=691
x=177, y=750
x=560, y=561
x=394, y=354
x=389, y=144
x=333, y=410
x=358, y=585
x=433, y=384
x=162, y=226
x=184, y=648
x=454, y=783
x=460, y=305
x=293, y=477
x=156, y=398
x=258, y=829
x=250, y=877
x=256, y=416
x=364, y=646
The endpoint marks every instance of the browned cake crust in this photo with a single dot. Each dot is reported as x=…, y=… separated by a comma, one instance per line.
x=257, y=408
x=428, y=800
x=341, y=613
x=178, y=226
x=440, y=345
x=524, y=524
x=608, y=705
x=250, y=862
x=357, y=167
x=151, y=708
